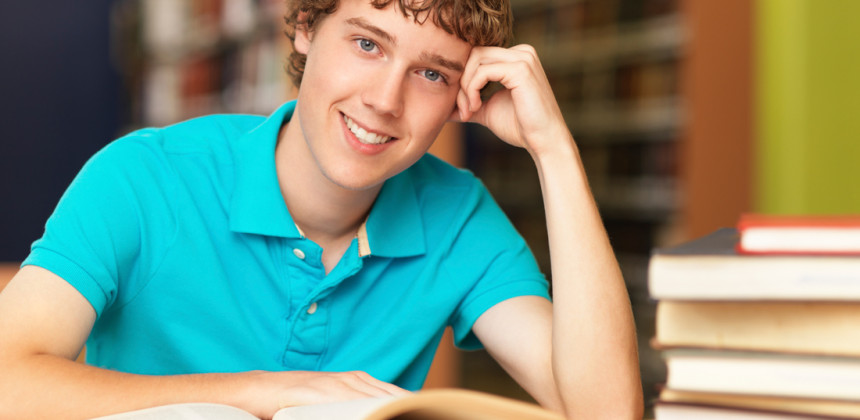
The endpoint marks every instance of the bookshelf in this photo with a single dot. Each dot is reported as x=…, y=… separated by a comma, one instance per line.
x=614, y=67
x=186, y=58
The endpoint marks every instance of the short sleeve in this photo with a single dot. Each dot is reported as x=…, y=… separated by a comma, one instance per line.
x=490, y=250
x=93, y=238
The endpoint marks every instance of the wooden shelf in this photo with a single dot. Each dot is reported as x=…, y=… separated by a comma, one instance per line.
x=644, y=116
x=656, y=38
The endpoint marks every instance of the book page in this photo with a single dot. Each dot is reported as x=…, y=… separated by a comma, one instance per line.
x=191, y=411
x=346, y=410
x=423, y=405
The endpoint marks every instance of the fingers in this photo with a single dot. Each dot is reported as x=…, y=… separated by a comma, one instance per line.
x=322, y=387
x=461, y=113
x=486, y=64
x=370, y=385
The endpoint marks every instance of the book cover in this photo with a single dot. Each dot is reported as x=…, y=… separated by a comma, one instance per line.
x=710, y=268
x=810, y=234
x=827, y=328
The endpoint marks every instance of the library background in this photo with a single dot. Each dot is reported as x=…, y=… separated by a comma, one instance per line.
x=687, y=113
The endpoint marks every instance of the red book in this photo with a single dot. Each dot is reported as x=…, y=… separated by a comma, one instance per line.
x=825, y=235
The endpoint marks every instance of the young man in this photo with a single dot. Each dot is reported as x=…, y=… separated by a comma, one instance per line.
x=317, y=255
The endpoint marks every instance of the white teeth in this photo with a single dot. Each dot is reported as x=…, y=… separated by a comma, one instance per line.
x=362, y=134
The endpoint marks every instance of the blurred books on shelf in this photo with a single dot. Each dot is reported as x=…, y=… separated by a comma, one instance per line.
x=614, y=67
x=756, y=336
x=186, y=58
x=767, y=234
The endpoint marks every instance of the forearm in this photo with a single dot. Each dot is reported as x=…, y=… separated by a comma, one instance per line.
x=47, y=386
x=595, y=362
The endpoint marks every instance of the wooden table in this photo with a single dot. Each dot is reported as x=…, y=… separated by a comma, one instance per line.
x=7, y=270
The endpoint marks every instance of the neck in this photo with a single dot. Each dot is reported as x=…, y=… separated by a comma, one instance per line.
x=327, y=213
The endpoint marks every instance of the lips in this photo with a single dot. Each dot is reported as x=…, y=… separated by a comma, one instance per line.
x=365, y=136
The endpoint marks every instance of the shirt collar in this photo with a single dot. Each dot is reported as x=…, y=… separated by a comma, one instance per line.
x=257, y=205
x=393, y=228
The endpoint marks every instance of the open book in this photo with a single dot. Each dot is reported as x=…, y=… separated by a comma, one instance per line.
x=423, y=405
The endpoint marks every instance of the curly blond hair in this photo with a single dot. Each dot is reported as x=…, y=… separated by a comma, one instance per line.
x=478, y=22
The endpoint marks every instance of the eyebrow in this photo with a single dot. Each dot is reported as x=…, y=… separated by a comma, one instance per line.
x=364, y=24
x=425, y=56
x=442, y=61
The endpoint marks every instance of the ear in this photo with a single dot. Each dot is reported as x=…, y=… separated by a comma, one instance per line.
x=302, y=44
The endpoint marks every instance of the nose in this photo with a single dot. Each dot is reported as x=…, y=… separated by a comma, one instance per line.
x=385, y=92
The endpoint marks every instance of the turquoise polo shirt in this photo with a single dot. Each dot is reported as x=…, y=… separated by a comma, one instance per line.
x=180, y=239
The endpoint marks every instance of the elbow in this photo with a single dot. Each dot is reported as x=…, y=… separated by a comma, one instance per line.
x=630, y=407
x=616, y=407
x=637, y=410
x=633, y=412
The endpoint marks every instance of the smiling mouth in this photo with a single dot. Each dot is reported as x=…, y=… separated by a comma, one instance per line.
x=363, y=135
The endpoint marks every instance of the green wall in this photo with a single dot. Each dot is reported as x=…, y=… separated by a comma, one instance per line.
x=808, y=106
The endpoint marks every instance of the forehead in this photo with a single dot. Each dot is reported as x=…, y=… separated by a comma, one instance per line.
x=393, y=16
x=392, y=26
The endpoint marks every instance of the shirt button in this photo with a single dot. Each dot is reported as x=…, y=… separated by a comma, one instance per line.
x=312, y=308
x=298, y=253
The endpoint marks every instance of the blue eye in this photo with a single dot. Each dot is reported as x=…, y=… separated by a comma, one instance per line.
x=432, y=75
x=366, y=45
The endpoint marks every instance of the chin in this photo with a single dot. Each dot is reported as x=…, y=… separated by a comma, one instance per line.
x=352, y=182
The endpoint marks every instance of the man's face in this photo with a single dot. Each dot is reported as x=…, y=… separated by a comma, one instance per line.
x=376, y=91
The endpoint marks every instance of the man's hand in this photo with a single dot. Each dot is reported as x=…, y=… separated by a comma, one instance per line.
x=525, y=113
x=266, y=392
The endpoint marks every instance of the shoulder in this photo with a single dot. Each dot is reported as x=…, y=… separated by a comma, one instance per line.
x=451, y=199
x=213, y=135
x=446, y=195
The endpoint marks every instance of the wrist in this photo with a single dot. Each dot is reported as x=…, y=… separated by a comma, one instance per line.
x=242, y=390
x=555, y=145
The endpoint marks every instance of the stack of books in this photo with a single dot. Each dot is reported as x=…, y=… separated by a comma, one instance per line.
x=761, y=321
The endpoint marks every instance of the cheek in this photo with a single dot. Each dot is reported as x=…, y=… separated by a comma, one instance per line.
x=427, y=123
x=432, y=109
x=332, y=71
